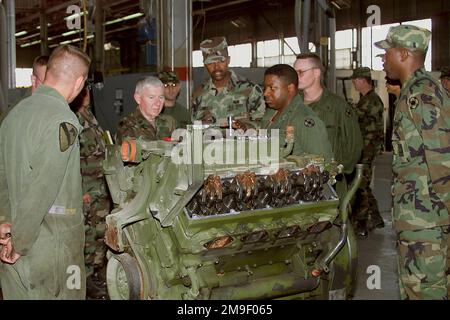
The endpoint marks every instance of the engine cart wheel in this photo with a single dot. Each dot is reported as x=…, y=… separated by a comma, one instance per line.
x=124, y=278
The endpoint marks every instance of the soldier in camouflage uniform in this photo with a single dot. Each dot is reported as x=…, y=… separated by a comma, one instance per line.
x=369, y=109
x=421, y=165
x=96, y=198
x=172, y=108
x=146, y=121
x=288, y=111
x=445, y=78
x=340, y=119
x=226, y=93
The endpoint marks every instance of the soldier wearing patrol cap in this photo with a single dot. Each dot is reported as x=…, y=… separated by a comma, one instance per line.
x=369, y=109
x=225, y=93
x=445, y=78
x=420, y=139
x=172, y=108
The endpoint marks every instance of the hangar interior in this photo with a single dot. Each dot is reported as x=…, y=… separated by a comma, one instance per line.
x=129, y=39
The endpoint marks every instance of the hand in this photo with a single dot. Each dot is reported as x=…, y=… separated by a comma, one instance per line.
x=8, y=255
x=5, y=233
x=87, y=198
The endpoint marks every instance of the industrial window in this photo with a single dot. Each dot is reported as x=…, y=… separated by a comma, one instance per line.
x=23, y=77
x=240, y=56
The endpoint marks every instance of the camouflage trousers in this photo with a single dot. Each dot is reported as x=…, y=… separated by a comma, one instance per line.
x=365, y=206
x=95, y=248
x=423, y=263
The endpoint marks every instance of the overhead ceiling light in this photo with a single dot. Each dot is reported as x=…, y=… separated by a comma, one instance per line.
x=75, y=15
x=76, y=40
x=21, y=33
x=69, y=33
x=30, y=44
x=131, y=16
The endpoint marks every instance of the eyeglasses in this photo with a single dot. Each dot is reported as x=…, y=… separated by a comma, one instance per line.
x=170, y=85
x=301, y=72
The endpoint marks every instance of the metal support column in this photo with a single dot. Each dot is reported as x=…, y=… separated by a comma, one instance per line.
x=3, y=59
x=175, y=43
x=332, y=65
x=99, y=52
x=43, y=28
x=11, y=42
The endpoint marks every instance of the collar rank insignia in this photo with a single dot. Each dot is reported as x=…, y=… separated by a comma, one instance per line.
x=67, y=135
x=348, y=112
x=413, y=103
x=309, y=122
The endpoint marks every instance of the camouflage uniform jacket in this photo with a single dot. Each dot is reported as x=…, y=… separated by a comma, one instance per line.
x=310, y=133
x=181, y=115
x=370, y=115
x=240, y=99
x=92, y=154
x=342, y=127
x=421, y=164
x=135, y=125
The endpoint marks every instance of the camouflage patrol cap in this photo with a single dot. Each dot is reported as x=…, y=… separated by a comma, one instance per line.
x=406, y=36
x=363, y=72
x=214, y=50
x=445, y=72
x=168, y=76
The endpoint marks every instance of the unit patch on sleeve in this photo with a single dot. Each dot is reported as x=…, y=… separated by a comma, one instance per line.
x=67, y=135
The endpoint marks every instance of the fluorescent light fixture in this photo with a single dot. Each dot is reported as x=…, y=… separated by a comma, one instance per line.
x=131, y=16
x=75, y=15
x=76, y=40
x=30, y=44
x=69, y=33
x=21, y=33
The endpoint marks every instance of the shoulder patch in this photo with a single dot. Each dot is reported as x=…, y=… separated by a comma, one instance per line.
x=309, y=122
x=413, y=102
x=67, y=135
x=349, y=112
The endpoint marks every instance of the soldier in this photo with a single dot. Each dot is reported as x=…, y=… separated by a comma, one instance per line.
x=39, y=69
x=226, y=93
x=41, y=218
x=369, y=109
x=421, y=138
x=287, y=110
x=340, y=119
x=445, y=78
x=96, y=198
x=172, y=108
x=146, y=121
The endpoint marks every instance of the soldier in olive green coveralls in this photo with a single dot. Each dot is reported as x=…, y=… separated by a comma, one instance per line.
x=40, y=187
x=421, y=165
x=287, y=110
x=146, y=121
x=172, y=108
x=225, y=93
x=339, y=118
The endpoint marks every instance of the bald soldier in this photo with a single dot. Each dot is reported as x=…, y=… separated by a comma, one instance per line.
x=41, y=217
x=225, y=93
x=421, y=165
x=369, y=109
x=146, y=121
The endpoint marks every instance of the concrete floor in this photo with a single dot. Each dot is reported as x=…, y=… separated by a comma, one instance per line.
x=379, y=249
